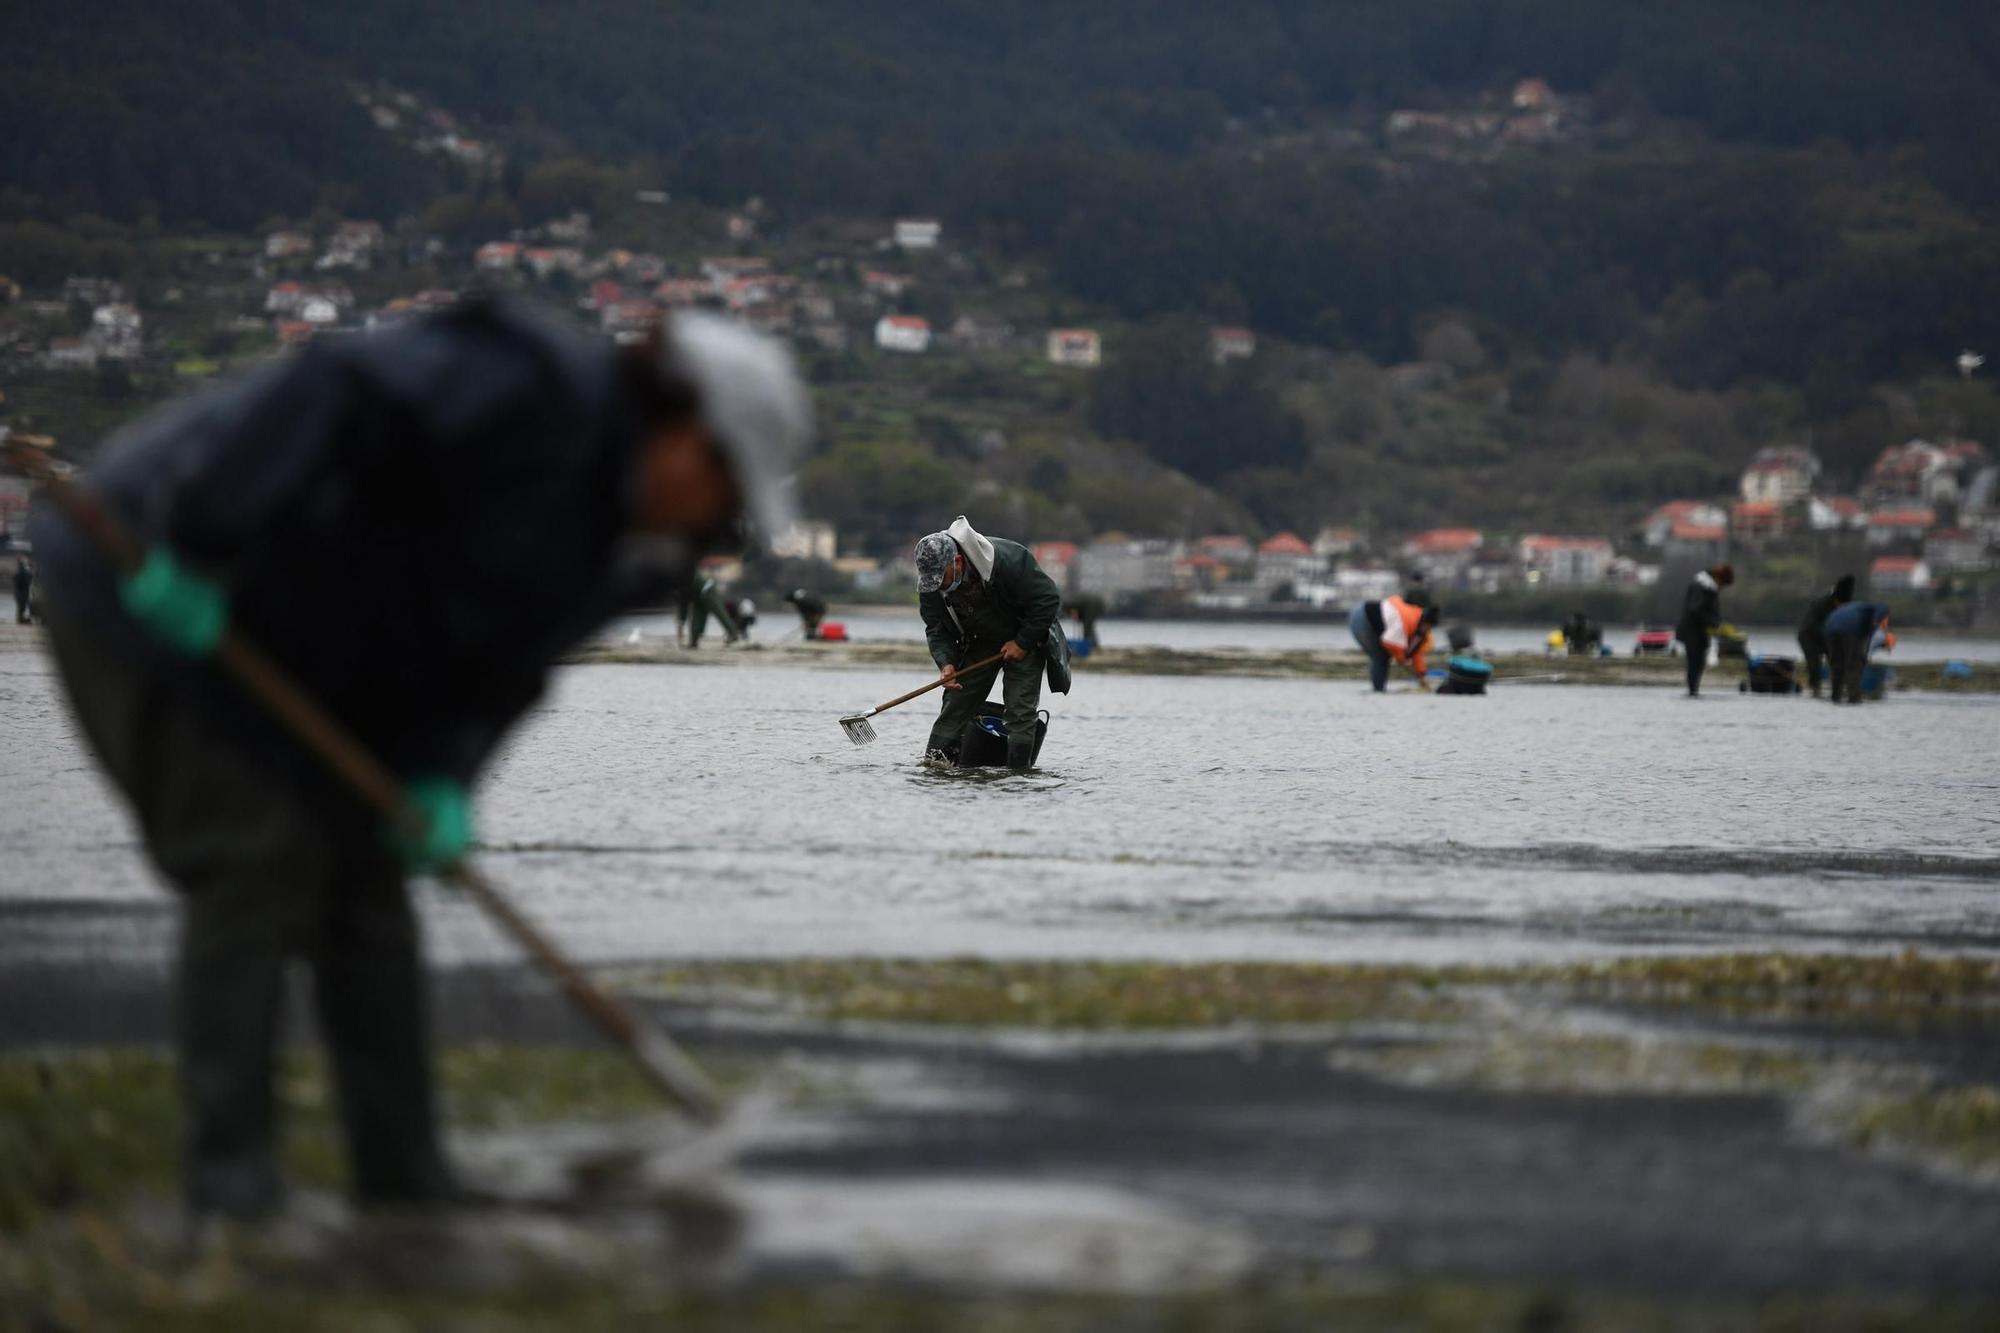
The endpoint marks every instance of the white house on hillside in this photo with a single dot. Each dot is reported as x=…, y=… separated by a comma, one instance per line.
x=918, y=233
x=903, y=333
x=1075, y=347
x=1659, y=526
x=1780, y=475
x=1287, y=559
x=1898, y=573
x=1566, y=562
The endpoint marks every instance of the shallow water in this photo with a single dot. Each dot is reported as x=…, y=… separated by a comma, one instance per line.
x=652, y=811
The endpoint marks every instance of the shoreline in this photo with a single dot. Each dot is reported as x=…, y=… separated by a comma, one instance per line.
x=1279, y=664
x=1153, y=660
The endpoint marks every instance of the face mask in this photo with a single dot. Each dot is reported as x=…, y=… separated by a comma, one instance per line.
x=956, y=583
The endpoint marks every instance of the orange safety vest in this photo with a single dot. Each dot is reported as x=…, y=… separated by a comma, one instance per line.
x=1399, y=632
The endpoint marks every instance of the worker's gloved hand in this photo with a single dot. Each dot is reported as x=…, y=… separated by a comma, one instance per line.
x=446, y=809
x=182, y=609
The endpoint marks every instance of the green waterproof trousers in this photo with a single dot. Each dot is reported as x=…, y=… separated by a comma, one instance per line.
x=1021, y=693
x=272, y=866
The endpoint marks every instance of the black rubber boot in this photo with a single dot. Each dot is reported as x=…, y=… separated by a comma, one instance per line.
x=1020, y=754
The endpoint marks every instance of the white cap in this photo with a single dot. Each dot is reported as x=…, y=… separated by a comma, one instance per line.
x=754, y=405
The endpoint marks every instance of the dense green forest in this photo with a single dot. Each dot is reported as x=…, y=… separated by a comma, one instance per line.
x=1781, y=208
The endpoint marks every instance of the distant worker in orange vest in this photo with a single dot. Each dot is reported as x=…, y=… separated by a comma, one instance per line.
x=1393, y=629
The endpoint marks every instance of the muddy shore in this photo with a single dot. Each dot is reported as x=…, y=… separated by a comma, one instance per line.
x=1708, y=1140
x=1302, y=664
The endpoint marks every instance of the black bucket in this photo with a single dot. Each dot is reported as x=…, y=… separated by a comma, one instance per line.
x=1772, y=675
x=1466, y=675
x=984, y=741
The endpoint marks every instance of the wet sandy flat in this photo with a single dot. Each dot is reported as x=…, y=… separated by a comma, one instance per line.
x=652, y=814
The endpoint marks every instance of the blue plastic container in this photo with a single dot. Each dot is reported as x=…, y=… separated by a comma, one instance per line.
x=1466, y=675
x=1079, y=648
x=983, y=744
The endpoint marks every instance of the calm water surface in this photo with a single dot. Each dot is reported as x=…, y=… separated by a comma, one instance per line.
x=681, y=811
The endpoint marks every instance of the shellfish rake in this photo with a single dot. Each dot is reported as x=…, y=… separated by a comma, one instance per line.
x=862, y=732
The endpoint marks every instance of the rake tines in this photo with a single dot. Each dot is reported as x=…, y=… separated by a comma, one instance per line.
x=861, y=731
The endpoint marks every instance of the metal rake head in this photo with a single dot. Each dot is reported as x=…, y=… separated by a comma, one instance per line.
x=858, y=728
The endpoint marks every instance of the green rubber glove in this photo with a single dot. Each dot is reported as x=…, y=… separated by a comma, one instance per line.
x=447, y=812
x=182, y=609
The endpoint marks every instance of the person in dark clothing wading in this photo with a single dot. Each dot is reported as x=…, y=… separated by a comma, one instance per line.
x=1701, y=614
x=24, y=592
x=1812, y=629
x=979, y=596
x=516, y=484
x=1849, y=631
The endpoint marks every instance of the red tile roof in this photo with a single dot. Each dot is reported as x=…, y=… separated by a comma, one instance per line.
x=1445, y=541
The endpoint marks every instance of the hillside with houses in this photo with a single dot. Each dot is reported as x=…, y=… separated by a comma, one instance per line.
x=1261, y=362
x=981, y=406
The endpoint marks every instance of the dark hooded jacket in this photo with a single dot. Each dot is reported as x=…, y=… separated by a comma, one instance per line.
x=1016, y=601
x=1813, y=627
x=415, y=524
x=1859, y=618
x=1701, y=612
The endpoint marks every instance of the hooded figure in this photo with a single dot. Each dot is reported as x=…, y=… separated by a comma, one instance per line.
x=1812, y=629
x=981, y=596
x=1701, y=615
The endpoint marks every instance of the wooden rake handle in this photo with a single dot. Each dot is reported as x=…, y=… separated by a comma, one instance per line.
x=664, y=1063
x=926, y=689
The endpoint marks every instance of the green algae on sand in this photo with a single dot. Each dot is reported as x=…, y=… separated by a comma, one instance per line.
x=92, y=1128
x=1095, y=995
x=1960, y=1125
x=1081, y=995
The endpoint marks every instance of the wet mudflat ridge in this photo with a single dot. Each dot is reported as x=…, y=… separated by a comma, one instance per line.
x=1266, y=1002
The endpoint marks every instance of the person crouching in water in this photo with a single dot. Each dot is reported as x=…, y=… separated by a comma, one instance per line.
x=1812, y=630
x=811, y=608
x=982, y=596
x=1701, y=615
x=1393, y=628
x=1850, y=631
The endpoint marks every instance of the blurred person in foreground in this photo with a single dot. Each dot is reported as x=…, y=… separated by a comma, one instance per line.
x=515, y=484
x=980, y=596
x=1701, y=617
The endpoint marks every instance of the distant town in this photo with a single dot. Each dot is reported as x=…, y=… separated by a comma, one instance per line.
x=1928, y=513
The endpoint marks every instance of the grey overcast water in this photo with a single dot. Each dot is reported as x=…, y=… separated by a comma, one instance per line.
x=656, y=811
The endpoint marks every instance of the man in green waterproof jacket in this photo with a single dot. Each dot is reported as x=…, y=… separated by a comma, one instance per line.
x=981, y=596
